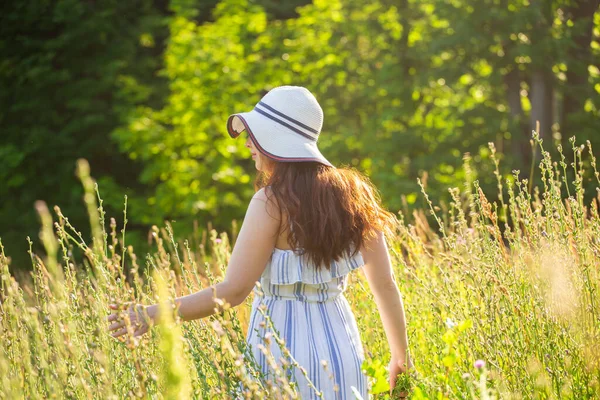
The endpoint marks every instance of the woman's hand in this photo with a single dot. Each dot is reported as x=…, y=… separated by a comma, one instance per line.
x=140, y=318
x=396, y=368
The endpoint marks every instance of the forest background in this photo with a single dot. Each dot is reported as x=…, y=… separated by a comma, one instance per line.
x=142, y=90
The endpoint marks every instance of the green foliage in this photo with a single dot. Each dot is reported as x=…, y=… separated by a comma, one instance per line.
x=70, y=72
x=378, y=376
x=408, y=88
x=404, y=95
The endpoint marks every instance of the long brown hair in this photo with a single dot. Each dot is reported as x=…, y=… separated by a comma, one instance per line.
x=329, y=210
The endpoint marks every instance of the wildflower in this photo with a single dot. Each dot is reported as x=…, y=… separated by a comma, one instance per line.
x=479, y=364
x=450, y=324
x=267, y=338
x=218, y=240
x=218, y=328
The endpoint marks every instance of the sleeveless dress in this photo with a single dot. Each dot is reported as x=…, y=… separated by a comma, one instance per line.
x=309, y=312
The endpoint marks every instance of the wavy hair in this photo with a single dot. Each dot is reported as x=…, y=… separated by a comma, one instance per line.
x=329, y=210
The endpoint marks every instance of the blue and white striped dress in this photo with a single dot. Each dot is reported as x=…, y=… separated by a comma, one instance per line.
x=309, y=312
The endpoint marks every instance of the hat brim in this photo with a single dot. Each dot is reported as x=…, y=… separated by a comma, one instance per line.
x=273, y=140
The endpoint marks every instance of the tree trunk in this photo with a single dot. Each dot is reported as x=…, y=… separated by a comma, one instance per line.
x=519, y=145
x=513, y=88
x=543, y=57
x=541, y=101
x=540, y=73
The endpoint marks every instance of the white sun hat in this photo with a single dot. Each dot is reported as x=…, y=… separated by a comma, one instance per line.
x=284, y=125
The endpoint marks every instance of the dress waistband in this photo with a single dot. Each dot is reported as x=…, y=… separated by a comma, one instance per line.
x=304, y=292
x=307, y=300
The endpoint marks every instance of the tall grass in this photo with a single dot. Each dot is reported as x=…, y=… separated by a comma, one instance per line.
x=502, y=301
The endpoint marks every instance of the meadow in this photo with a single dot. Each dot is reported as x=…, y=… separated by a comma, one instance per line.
x=501, y=299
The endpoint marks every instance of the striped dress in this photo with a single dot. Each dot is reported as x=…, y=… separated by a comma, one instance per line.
x=309, y=312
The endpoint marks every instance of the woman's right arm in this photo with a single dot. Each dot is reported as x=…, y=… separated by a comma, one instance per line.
x=380, y=276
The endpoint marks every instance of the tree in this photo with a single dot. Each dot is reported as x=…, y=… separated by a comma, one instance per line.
x=69, y=73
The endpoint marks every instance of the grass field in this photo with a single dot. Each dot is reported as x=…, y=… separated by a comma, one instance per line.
x=501, y=299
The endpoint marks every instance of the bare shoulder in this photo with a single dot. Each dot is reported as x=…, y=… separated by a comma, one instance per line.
x=265, y=197
x=374, y=248
x=378, y=265
x=263, y=194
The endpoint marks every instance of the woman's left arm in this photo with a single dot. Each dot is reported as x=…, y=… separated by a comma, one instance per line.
x=253, y=247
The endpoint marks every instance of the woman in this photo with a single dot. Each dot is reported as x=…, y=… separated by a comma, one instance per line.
x=306, y=228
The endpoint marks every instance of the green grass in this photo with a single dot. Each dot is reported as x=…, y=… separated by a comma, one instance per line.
x=512, y=286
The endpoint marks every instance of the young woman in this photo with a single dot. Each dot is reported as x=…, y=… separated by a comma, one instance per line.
x=306, y=228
